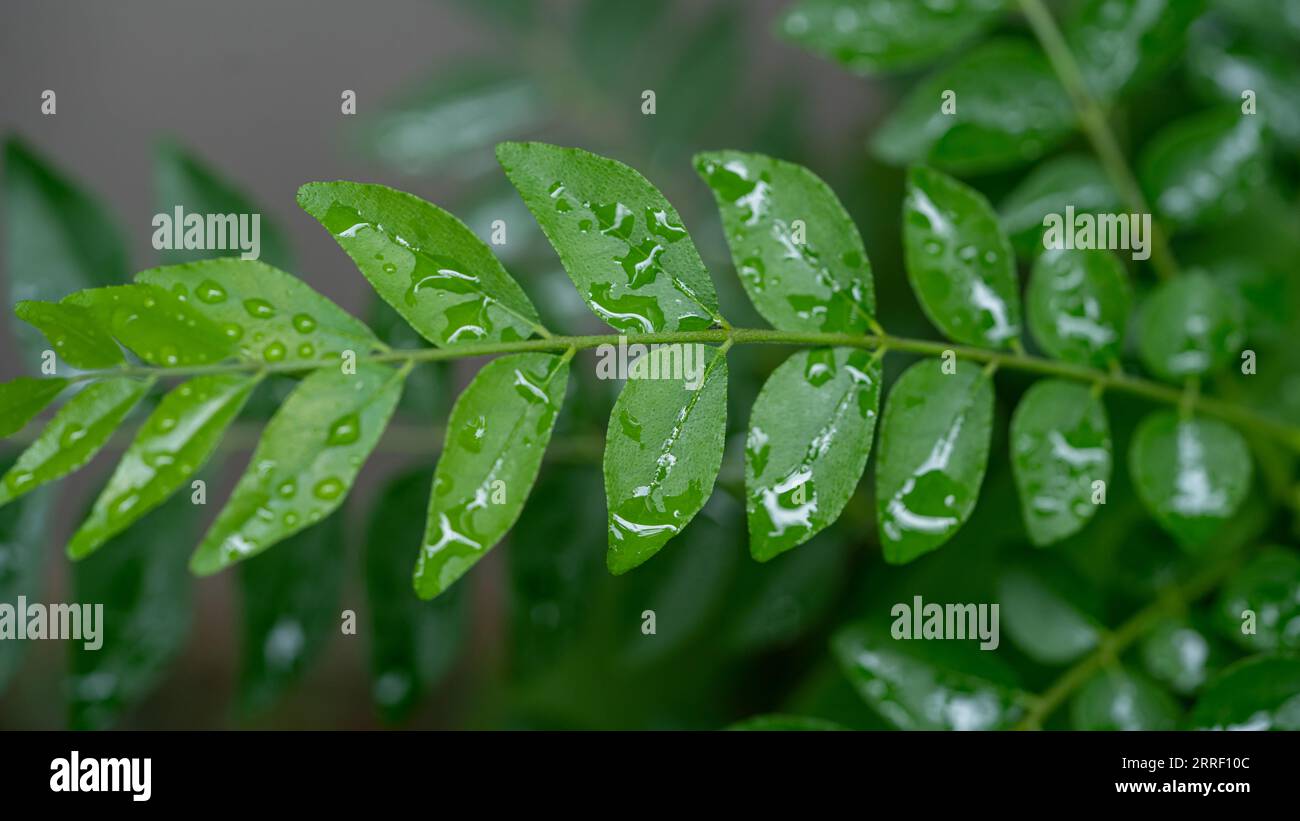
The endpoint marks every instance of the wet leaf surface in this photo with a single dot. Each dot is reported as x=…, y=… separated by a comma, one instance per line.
x=1078, y=306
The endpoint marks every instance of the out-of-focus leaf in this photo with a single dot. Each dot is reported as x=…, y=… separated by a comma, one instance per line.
x=22, y=398
x=1258, y=693
x=23, y=535
x=496, y=437
x=1192, y=474
x=1203, y=168
x=1275, y=18
x=1009, y=110
x=869, y=36
x=1121, y=44
x=1078, y=305
x=959, y=261
x=73, y=332
x=156, y=325
x=1120, y=700
x=1189, y=326
x=1223, y=69
x=1046, y=616
x=934, y=445
x=1179, y=655
x=1269, y=587
x=796, y=249
x=1056, y=183
x=711, y=63
x=781, y=722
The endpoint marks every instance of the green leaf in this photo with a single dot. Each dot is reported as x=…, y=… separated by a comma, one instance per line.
x=870, y=36
x=73, y=436
x=304, y=464
x=1068, y=180
x=1179, y=655
x=496, y=437
x=934, y=447
x=156, y=325
x=928, y=685
x=23, y=398
x=809, y=436
x=1060, y=447
x=780, y=722
x=269, y=314
x=622, y=243
x=1189, y=326
x=1010, y=110
x=1203, y=168
x=1046, y=615
x=413, y=644
x=290, y=610
x=1258, y=693
x=663, y=450
x=1192, y=474
x=141, y=582
x=798, y=253
x=1269, y=587
x=23, y=535
x=1120, y=700
x=1078, y=304
x=172, y=444
x=959, y=261
x=73, y=332
x=1121, y=44
x=424, y=262
x=1223, y=68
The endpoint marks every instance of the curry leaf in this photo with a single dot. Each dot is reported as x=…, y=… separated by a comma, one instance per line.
x=1067, y=180
x=1078, y=304
x=74, y=332
x=1180, y=655
x=22, y=398
x=1120, y=44
x=1258, y=693
x=1224, y=67
x=1047, y=616
x=1120, y=700
x=1189, y=326
x=23, y=537
x=156, y=325
x=1268, y=589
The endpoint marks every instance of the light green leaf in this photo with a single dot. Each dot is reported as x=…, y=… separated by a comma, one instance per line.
x=413, y=644
x=73, y=332
x=928, y=685
x=934, y=447
x=1121, y=44
x=1009, y=110
x=1078, y=304
x=156, y=325
x=1068, y=180
x=73, y=436
x=623, y=244
x=1060, y=449
x=1189, y=326
x=1120, y=700
x=1269, y=587
x=1203, y=168
x=304, y=464
x=424, y=262
x=22, y=398
x=496, y=437
x=1258, y=693
x=1179, y=655
x=771, y=722
x=23, y=536
x=1192, y=474
x=662, y=454
x=869, y=36
x=959, y=262
x=798, y=253
x=172, y=444
x=1223, y=68
x=269, y=314
x=809, y=436
x=1046, y=616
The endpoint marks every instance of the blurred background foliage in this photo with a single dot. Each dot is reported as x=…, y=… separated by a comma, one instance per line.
x=540, y=635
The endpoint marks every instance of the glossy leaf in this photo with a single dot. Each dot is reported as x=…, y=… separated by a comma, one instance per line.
x=934, y=445
x=1120, y=700
x=1258, y=693
x=424, y=262
x=1269, y=588
x=1203, y=168
x=1078, y=304
x=23, y=398
x=1060, y=449
x=1121, y=44
x=23, y=536
x=870, y=36
x=73, y=436
x=663, y=450
x=1179, y=655
x=156, y=325
x=622, y=243
x=959, y=262
x=809, y=436
x=771, y=722
x=270, y=315
x=1189, y=326
x=496, y=437
x=1010, y=110
x=1222, y=68
x=928, y=685
x=796, y=249
x=1056, y=183
x=304, y=464
x=73, y=332
x=1045, y=618
x=172, y=444
x=413, y=644
x=1192, y=474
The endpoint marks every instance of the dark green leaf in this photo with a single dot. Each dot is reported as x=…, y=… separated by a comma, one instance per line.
x=1225, y=68
x=1269, y=587
x=1067, y=180
x=807, y=446
x=1078, y=304
x=780, y=722
x=934, y=446
x=798, y=253
x=1189, y=326
x=1045, y=617
x=1121, y=44
x=1119, y=700
x=959, y=262
x=156, y=325
x=23, y=536
x=778, y=602
x=73, y=332
x=1179, y=655
x=496, y=437
x=623, y=244
x=22, y=398
x=1258, y=693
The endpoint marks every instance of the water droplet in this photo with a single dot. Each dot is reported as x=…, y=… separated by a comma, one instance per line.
x=328, y=488
x=287, y=488
x=345, y=430
x=306, y=350
x=304, y=323
x=210, y=292
x=259, y=308
x=274, y=352
x=72, y=434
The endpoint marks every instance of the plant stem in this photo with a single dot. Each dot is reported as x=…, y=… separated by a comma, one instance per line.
x=1240, y=416
x=1093, y=121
